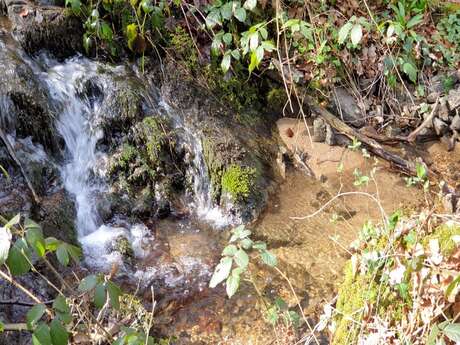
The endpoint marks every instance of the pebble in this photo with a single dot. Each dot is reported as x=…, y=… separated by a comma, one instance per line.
x=432, y=97
x=455, y=124
x=439, y=126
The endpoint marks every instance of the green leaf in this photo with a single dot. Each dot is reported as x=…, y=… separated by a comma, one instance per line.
x=240, y=14
x=230, y=250
x=454, y=283
x=147, y=6
x=225, y=64
x=106, y=32
x=13, y=221
x=246, y=243
x=451, y=331
x=344, y=31
x=100, y=296
x=114, y=294
x=2, y=327
x=18, y=258
x=60, y=304
x=41, y=335
x=433, y=335
x=221, y=272
x=415, y=20
x=232, y=284
x=227, y=10
x=421, y=171
x=213, y=19
x=241, y=258
x=411, y=71
x=34, y=237
x=62, y=309
x=62, y=254
x=59, y=334
x=356, y=34
x=87, y=283
x=131, y=35
x=253, y=63
x=259, y=245
x=51, y=244
x=5, y=243
x=227, y=38
x=34, y=314
x=236, y=54
x=250, y=4
x=260, y=54
x=268, y=258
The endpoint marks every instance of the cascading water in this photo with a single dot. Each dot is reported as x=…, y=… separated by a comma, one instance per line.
x=76, y=123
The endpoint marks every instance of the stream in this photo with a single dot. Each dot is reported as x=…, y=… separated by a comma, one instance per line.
x=177, y=254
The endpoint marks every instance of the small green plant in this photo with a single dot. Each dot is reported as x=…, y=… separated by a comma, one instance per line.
x=352, y=29
x=22, y=247
x=235, y=259
x=279, y=311
x=420, y=179
x=360, y=179
x=355, y=145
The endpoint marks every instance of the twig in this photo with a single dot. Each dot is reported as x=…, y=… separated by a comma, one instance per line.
x=411, y=137
x=15, y=327
x=18, y=163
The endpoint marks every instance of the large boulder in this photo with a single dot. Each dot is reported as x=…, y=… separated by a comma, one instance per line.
x=239, y=154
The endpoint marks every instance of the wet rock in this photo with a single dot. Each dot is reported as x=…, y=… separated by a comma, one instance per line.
x=56, y=216
x=455, y=123
x=347, y=108
x=319, y=130
x=228, y=145
x=24, y=105
x=439, y=126
x=36, y=28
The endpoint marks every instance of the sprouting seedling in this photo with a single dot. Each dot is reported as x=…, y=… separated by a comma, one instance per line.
x=420, y=179
x=360, y=179
x=235, y=259
x=355, y=145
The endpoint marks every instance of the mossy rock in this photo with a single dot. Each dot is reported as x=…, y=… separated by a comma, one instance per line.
x=57, y=217
x=123, y=246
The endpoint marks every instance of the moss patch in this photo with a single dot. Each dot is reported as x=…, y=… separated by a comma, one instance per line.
x=444, y=234
x=238, y=181
x=354, y=293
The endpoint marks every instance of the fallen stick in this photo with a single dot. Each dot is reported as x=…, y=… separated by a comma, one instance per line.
x=374, y=146
x=412, y=136
x=10, y=149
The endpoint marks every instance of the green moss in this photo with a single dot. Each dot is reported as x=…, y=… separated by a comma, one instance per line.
x=154, y=138
x=128, y=154
x=444, y=235
x=354, y=293
x=182, y=48
x=238, y=181
x=276, y=98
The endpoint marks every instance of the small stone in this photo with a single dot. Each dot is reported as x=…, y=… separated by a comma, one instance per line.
x=453, y=99
x=439, y=126
x=319, y=130
x=443, y=110
x=455, y=124
x=330, y=136
x=432, y=97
